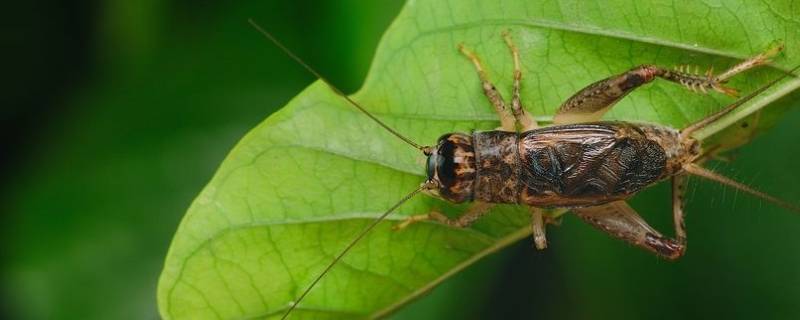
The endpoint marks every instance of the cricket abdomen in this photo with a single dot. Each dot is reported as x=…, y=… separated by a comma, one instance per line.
x=573, y=165
x=588, y=164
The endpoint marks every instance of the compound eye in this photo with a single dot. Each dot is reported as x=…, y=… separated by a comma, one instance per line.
x=445, y=168
x=433, y=162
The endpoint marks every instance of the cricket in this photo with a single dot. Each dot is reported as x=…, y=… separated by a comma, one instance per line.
x=579, y=163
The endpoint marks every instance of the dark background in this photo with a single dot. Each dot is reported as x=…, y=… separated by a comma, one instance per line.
x=115, y=114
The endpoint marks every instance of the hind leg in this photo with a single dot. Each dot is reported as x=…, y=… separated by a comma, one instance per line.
x=592, y=102
x=620, y=221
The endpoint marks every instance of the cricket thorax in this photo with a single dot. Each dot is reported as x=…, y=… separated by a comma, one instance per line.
x=498, y=166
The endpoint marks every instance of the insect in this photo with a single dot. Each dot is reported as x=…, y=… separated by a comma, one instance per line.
x=588, y=166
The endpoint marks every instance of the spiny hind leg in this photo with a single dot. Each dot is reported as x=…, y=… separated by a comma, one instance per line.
x=525, y=119
x=506, y=118
x=472, y=214
x=620, y=221
x=592, y=102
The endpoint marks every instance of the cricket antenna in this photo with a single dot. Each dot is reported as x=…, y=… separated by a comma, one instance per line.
x=334, y=88
x=367, y=229
x=699, y=171
x=687, y=132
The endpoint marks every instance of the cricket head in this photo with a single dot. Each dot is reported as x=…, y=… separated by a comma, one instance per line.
x=451, y=168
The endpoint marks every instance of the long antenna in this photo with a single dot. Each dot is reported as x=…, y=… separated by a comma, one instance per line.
x=350, y=246
x=687, y=132
x=710, y=175
x=334, y=88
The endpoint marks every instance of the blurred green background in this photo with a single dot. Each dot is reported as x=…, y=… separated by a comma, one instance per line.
x=120, y=111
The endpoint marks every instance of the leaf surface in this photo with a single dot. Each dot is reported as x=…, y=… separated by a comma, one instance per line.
x=300, y=185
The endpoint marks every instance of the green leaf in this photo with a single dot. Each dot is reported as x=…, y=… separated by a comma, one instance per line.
x=299, y=186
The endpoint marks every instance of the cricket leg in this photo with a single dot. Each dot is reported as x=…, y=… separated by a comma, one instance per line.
x=473, y=213
x=592, y=102
x=620, y=221
x=524, y=118
x=679, y=184
x=538, y=227
x=507, y=122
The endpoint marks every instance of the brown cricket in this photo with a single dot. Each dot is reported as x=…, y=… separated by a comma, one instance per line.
x=580, y=163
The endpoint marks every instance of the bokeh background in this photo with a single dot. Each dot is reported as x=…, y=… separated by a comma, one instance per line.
x=118, y=113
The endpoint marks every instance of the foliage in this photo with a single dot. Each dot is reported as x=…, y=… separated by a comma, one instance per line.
x=297, y=188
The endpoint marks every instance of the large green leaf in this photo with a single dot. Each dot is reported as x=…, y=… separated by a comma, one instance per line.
x=299, y=186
